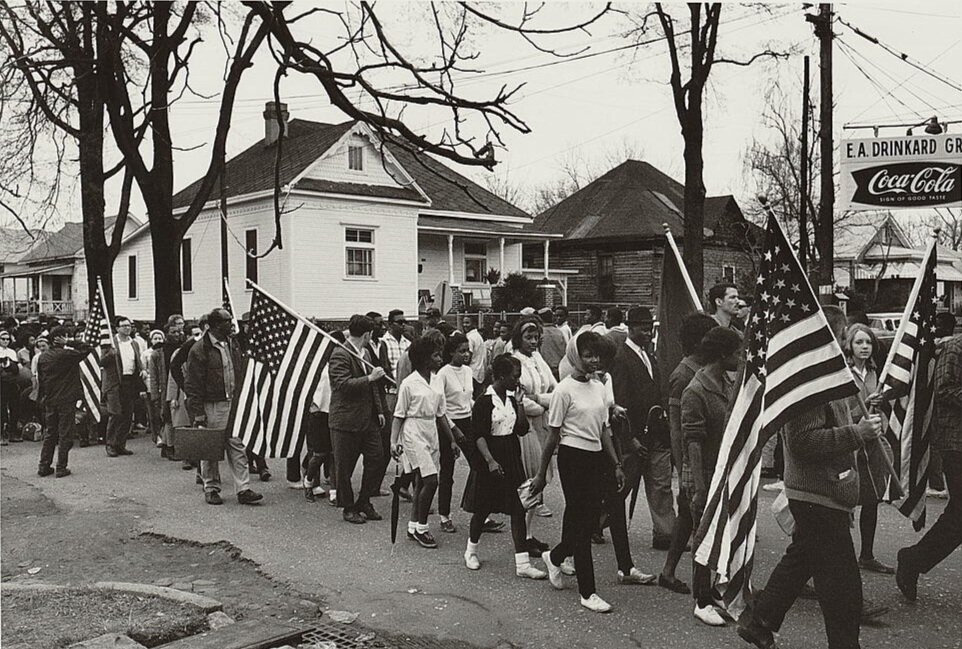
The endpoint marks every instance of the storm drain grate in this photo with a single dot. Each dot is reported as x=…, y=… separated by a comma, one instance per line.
x=348, y=637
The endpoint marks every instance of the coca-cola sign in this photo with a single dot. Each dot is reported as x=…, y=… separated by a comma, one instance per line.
x=901, y=173
x=909, y=184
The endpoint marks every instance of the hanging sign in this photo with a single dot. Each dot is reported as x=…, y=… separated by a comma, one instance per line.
x=901, y=172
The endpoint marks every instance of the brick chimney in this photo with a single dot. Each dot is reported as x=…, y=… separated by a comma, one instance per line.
x=272, y=130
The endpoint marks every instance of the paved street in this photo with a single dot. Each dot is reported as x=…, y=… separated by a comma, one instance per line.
x=431, y=593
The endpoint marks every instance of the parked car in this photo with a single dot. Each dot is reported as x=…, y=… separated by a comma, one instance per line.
x=884, y=324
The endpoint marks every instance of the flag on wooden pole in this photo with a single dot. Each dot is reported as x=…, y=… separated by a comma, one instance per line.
x=677, y=299
x=793, y=364
x=96, y=334
x=229, y=305
x=908, y=389
x=286, y=355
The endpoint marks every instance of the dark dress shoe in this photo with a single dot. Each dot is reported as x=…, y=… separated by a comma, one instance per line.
x=492, y=526
x=754, y=633
x=124, y=451
x=111, y=451
x=62, y=472
x=674, y=584
x=874, y=565
x=598, y=538
x=368, y=512
x=44, y=471
x=213, y=498
x=309, y=495
x=906, y=579
x=248, y=497
x=265, y=475
x=354, y=517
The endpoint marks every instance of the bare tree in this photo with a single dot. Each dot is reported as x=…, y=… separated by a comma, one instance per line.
x=51, y=102
x=688, y=94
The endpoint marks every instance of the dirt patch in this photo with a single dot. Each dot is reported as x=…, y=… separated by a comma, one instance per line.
x=59, y=618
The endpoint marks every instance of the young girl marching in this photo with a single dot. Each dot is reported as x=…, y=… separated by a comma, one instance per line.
x=415, y=440
x=457, y=382
x=578, y=420
x=499, y=423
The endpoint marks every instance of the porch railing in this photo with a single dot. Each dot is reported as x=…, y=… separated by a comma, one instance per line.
x=19, y=308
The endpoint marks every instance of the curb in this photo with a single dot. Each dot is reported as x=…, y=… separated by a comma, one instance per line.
x=206, y=604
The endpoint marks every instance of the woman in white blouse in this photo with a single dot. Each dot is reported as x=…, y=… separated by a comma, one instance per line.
x=536, y=385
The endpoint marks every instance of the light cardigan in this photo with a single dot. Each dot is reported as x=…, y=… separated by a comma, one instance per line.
x=537, y=381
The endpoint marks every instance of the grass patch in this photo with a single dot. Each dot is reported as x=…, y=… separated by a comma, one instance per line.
x=57, y=619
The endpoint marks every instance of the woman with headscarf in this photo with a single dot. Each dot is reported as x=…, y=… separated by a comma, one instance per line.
x=578, y=422
x=155, y=366
x=535, y=388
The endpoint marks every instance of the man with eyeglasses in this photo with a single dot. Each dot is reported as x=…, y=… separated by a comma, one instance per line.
x=122, y=376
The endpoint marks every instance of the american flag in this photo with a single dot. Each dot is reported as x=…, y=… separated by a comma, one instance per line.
x=793, y=364
x=96, y=333
x=286, y=357
x=908, y=383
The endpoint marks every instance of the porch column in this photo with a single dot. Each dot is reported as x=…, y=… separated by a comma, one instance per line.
x=450, y=260
x=547, y=242
x=501, y=257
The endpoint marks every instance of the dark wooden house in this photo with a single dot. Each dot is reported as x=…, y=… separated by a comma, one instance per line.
x=613, y=236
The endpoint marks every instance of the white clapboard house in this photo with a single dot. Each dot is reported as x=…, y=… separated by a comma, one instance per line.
x=362, y=230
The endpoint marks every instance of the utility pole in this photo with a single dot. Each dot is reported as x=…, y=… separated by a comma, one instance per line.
x=825, y=233
x=803, y=183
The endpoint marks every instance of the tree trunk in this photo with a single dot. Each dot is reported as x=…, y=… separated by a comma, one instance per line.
x=693, y=133
x=90, y=112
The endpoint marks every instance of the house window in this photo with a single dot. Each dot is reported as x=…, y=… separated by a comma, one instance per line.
x=132, y=277
x=532, y=255
x=355, y=158
x=186, y=267
x=728, y=274
x=250, y=243
x=475, y=261
x=359, y=252
x=606, y=277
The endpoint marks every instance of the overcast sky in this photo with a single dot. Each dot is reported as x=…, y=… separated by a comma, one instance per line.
x=586, y=109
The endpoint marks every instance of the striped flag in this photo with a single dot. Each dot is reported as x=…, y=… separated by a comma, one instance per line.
x=96, y=333
x=793, y=364
x=908, y=384
x=286, y=356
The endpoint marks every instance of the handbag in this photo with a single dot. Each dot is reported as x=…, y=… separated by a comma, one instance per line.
x=529, y=500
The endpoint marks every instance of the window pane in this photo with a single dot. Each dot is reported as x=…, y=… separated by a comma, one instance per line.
x=355, y=158
x=132, y=276
x=360, y=262
x=251, y=242
x=474, y=270
x=186, y=267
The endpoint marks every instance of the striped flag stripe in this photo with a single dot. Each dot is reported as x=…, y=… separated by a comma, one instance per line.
x=799, y=330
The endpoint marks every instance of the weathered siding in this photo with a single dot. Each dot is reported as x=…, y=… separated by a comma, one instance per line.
x=335, y=165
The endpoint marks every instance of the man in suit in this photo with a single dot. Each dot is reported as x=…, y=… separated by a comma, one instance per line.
x=122, y=376
x=358, y=413
x=614, y=321
x=637, y=387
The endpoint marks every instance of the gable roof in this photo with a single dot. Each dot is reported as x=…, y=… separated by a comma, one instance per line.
x=632, y=201
x=252, y=171
x=68, y=241
x=14, y=243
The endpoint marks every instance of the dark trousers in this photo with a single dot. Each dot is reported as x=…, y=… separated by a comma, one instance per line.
x=445, y=478
x=946, y=535
x=684, y=525
x=614, y=507
x=57, y=434
x=582, y=481
x=118, y=424
x=822, y=548
x=385, y=433
x=347, y=447
x=317, y=435
x=10, y=409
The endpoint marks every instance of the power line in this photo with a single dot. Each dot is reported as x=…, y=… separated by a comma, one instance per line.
x=900, y=55
x=845, y=49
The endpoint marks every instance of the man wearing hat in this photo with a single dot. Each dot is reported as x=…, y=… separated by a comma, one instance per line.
x=637, y=387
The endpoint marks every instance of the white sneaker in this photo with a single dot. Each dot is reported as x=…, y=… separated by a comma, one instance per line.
x=296, y=484
x=774, y=486
x=709, y=615
x=554, y=572
x=530, y=572
x=471, y=561
x=596, y=604
x=635, y=576
x=568, y=566
x=319, y=491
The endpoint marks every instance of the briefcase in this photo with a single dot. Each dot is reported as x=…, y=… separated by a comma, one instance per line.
x=199, y=444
